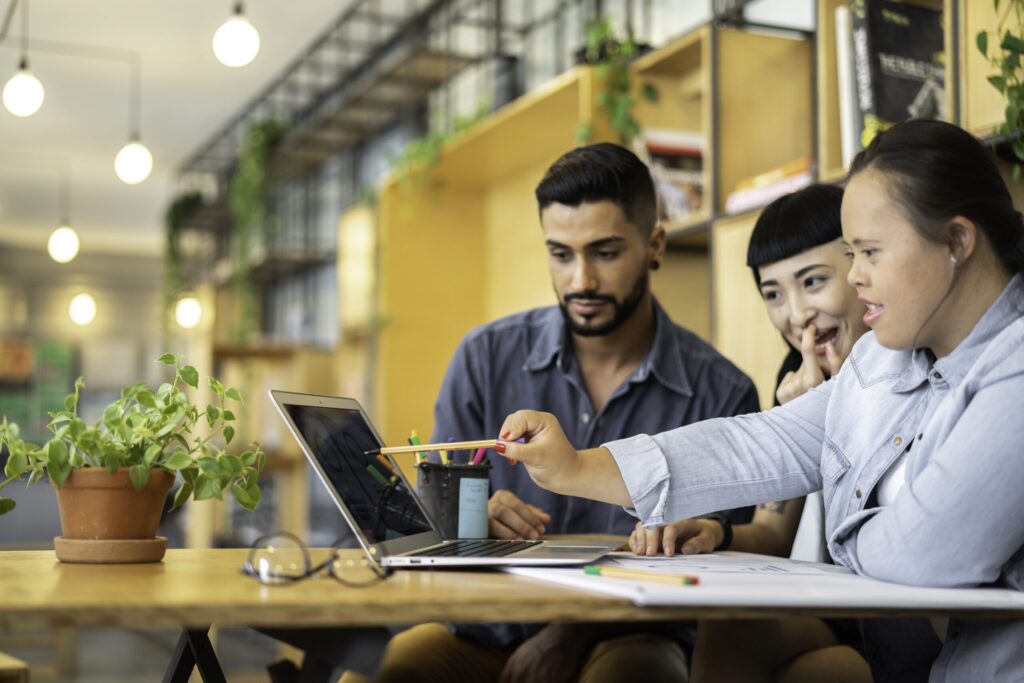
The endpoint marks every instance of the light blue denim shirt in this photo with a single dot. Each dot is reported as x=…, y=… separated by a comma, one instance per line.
x=959, y=519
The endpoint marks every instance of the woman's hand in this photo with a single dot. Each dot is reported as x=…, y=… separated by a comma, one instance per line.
x=692, y=536
x=554, y=464
x=547, y=454
x=810, y=374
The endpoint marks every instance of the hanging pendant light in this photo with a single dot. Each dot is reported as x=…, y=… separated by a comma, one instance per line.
x=63, y=244
x=188, y=312
x=236, y=42
x=82, y=309
x=134, y=162
x=23, y=94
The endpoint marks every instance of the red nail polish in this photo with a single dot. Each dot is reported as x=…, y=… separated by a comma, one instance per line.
x=500, y=447
x=506, y=435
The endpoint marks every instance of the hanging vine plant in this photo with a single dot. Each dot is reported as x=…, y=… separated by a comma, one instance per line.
x=415, y=164
x=1004, y=53
x=177, y=216
x=249, y=195
x=611, y=57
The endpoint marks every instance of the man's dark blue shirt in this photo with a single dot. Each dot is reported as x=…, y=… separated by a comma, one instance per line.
x=526, y=361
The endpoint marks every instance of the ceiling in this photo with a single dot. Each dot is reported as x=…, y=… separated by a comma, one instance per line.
x=186, y=95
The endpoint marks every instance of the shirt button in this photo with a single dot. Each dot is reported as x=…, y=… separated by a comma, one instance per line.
x=898, y=441
x=858, y=493
x=585, y=417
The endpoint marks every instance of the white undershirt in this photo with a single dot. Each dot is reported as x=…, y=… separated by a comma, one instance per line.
x=892, y=481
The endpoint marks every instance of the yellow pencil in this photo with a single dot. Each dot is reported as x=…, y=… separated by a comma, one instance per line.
x=453, y=446
x=641, y=575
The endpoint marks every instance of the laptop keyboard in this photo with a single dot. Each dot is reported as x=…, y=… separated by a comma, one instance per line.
x=487, y=547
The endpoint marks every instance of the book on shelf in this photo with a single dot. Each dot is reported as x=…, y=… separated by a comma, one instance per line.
x=849, y=115
x=756, y=191
x=676, y=160
x=898, y=57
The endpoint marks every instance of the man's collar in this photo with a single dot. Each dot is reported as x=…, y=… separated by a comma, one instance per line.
x=664, y=360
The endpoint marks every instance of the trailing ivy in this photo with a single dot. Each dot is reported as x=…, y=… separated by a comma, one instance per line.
x=1004, y=54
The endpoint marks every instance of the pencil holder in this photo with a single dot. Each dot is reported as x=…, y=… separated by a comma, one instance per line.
x=456, y=497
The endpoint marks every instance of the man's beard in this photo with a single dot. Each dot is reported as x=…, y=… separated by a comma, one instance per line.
x=621, y=310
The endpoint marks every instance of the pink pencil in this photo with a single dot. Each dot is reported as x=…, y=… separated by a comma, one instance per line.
x=479, y=456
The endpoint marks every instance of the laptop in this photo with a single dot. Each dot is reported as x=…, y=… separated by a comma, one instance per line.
x=386, y=516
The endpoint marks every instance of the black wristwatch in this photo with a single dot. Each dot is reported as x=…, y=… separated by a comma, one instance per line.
x=726, y=528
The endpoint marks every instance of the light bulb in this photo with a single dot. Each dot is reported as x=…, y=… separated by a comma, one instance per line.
x=63, y=244
x=82, y=309
x=23, y=94
x=133, y=163
x=188, y=312
x=236, y=42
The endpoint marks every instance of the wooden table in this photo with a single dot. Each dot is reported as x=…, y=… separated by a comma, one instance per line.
x=194, y=589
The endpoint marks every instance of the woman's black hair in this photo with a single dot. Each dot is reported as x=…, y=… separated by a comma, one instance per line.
x=937, y=171
x=602, y=172
x=794, y=223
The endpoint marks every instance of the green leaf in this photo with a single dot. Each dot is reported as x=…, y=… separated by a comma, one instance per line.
x=147, y=399
x=1012, y=43
x=982, y=42
x=232, y=393
x=209, y=466
x=17, y=464
x=184, y=491
x=998, y=82
x=152, y=453
x=228, y=415
x=244, y=497
x=229, y=433
x=167, y=359
x=230, y=464
x=177, y=461
x=77, y=428
x=190, y=376
x=6, y=505
x=212, y=413
x=35, y=476
x=139, y=474
x=208, y=487
x=248, y=458
x=70, y=402
x=216, y=386
x=57, y=461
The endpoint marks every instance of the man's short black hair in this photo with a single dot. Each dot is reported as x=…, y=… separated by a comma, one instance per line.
x=602, y=172
x=794, y=223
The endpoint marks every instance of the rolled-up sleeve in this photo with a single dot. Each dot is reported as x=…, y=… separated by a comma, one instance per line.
x=726, y=462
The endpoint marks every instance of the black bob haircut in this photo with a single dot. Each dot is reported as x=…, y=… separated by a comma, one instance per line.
x=602, y=172
x=794, y=223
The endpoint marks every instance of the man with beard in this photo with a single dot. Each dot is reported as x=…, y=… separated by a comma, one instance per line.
x=609, y=363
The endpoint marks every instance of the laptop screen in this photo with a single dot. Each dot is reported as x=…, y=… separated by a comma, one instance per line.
x=376, y=496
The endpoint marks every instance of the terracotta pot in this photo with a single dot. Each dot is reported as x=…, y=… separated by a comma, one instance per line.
x=97, y=505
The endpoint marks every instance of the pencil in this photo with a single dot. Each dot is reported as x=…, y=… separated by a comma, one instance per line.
x=453, y=446
x=641, y=575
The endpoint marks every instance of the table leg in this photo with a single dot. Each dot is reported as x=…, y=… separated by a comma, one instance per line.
x=194, y=650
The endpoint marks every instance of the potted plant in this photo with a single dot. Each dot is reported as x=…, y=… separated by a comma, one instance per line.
x=112, y=477
x=1004, y=48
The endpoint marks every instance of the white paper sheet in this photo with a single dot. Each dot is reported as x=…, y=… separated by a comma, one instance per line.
x=731, y=579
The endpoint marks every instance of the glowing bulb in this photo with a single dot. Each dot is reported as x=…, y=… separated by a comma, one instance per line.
x=188, y=312
x=133, y=163
x=82, y=309
x=63, y=244
x=236, y=42
x=23, y=94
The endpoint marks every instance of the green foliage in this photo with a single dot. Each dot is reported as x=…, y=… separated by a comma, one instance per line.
x=611, y=57
x=144, y=429
x=248, y=198
x=1003, y=48
x=415, y=164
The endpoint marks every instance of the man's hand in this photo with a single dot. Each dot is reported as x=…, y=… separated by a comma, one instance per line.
x=555, y=655
x=693, y=536
x=810, y=374
x=510, y=517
